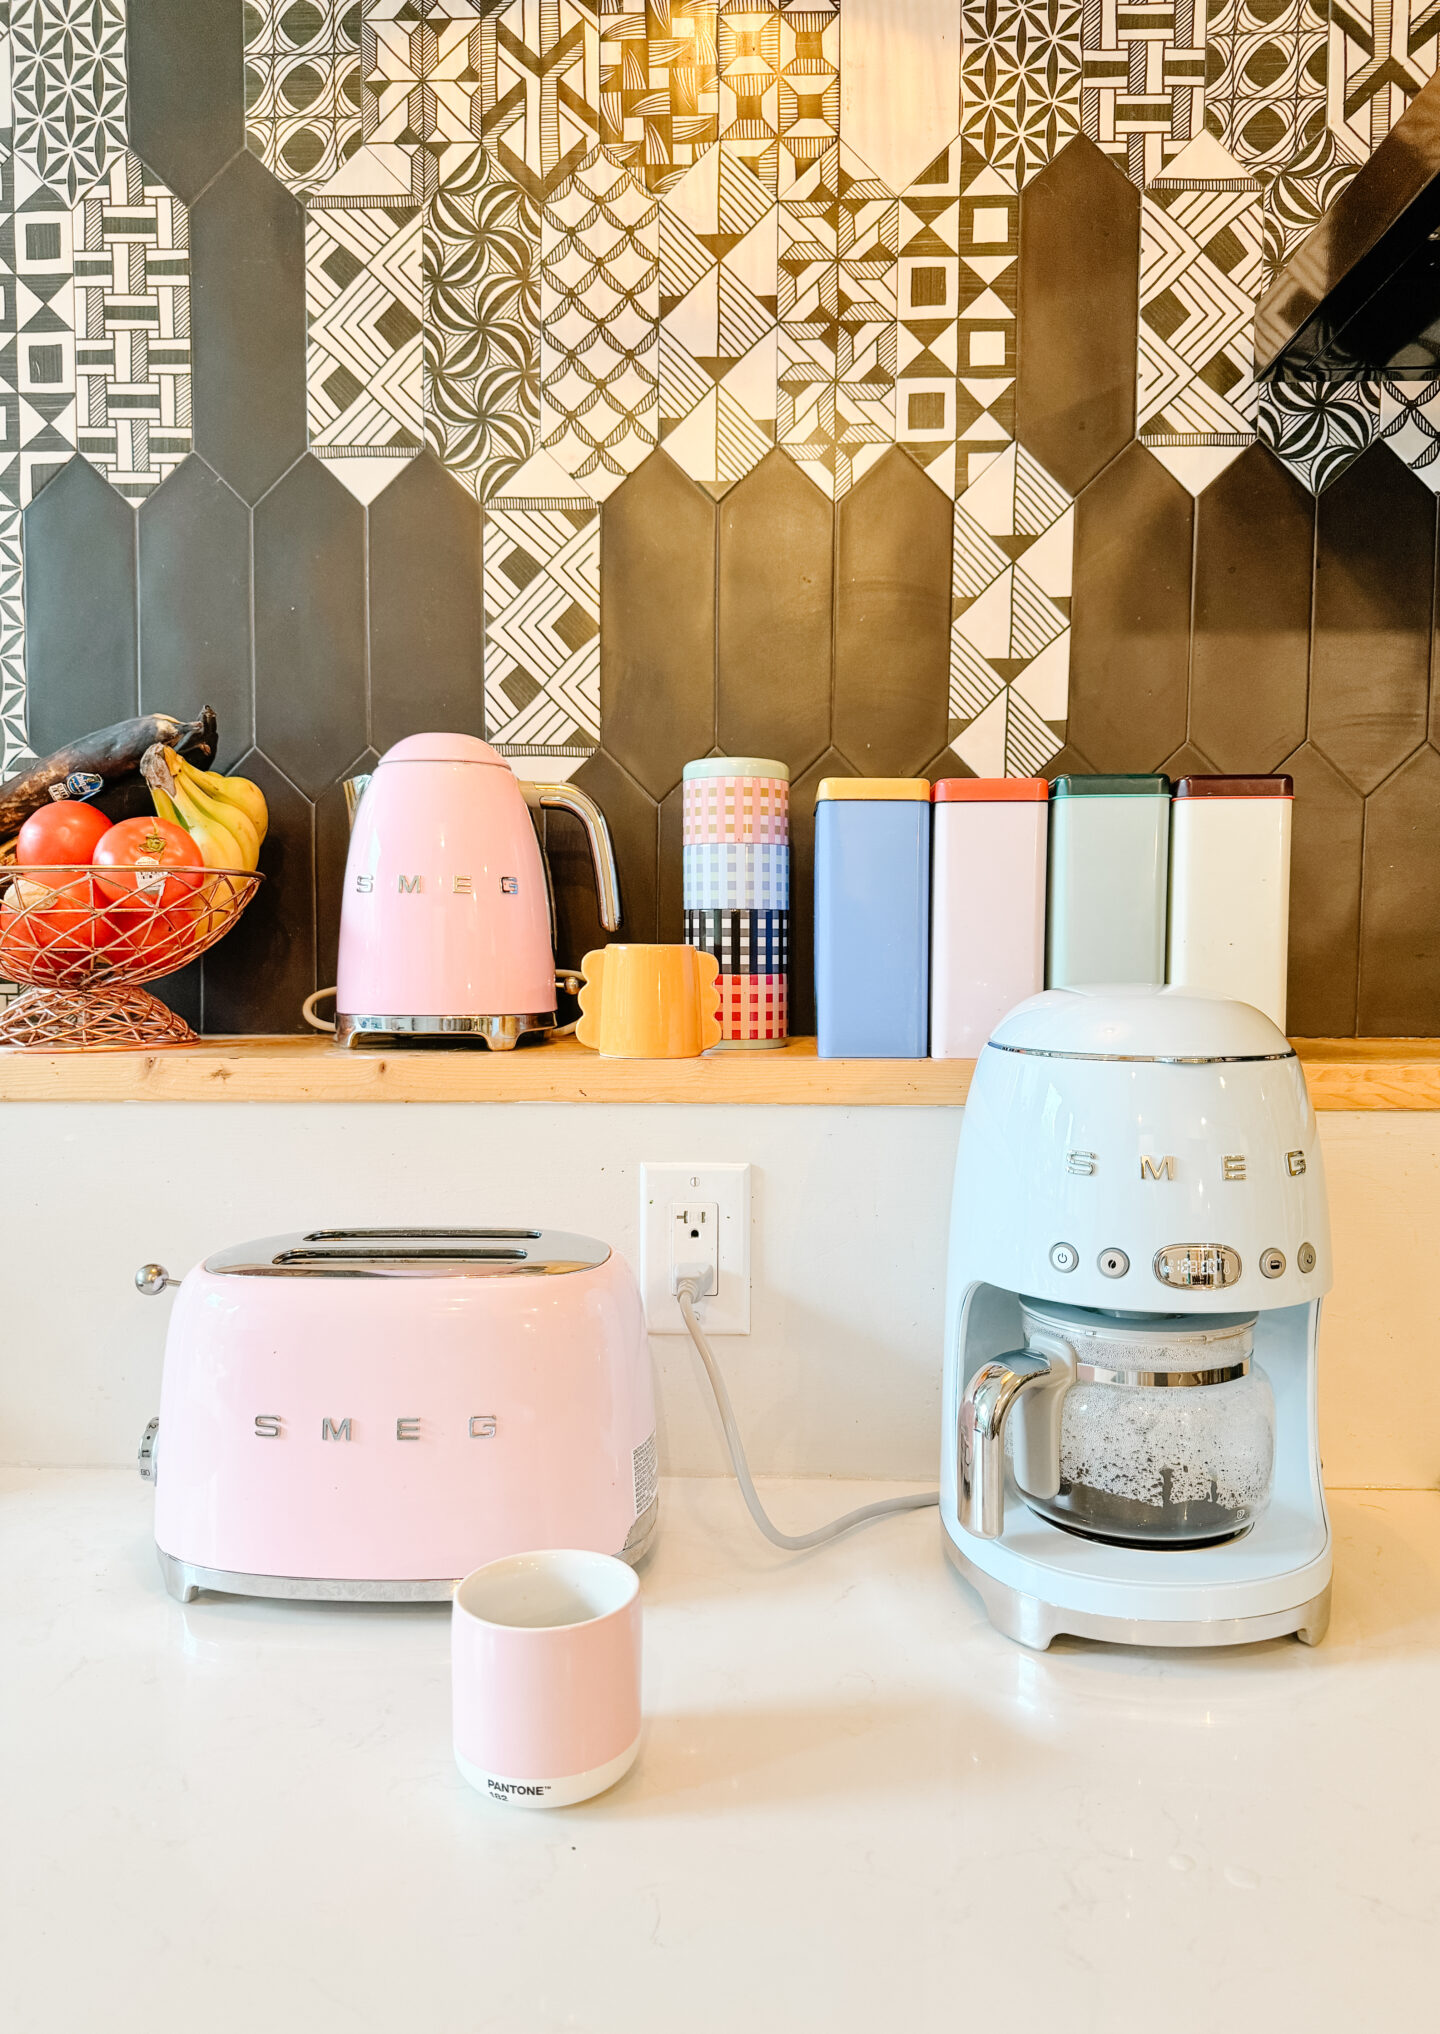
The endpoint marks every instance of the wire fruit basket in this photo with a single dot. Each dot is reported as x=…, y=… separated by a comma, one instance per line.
x=84, y=940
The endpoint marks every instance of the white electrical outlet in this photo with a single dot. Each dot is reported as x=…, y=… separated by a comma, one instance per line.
x=675, y=1202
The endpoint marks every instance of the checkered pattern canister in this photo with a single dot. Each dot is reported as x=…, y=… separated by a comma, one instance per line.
x=736, y=812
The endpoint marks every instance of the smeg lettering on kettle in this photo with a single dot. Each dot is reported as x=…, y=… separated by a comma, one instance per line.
x=413, y=886
x=1233, y=1165
x=271, y=1427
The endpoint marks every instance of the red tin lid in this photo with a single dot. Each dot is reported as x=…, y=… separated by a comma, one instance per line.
x=991, y=790
x=1235, y=787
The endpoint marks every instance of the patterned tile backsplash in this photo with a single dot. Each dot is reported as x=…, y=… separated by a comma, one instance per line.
x=865, y=384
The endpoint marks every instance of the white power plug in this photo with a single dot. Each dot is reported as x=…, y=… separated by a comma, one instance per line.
x=695, y=1245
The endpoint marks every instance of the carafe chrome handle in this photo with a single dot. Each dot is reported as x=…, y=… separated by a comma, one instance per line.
x=565, y=798
x=1035, y=1380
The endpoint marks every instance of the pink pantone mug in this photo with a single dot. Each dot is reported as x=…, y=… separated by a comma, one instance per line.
x=545, y=1677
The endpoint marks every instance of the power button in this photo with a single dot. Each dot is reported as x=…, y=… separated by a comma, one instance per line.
x=1063, y=1257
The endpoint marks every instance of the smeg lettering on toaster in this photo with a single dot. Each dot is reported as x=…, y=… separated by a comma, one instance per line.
x=271, y=1427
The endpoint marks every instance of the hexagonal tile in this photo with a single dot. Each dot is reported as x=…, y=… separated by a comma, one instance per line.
x=1249, y=673
x=1079, y=314
x=657, y=624
x=774, y=622
x=1400, y=904
x=892, y=619
x=1130, y=626
x=247, y=300
x=1374, y=588
x=1328, y=822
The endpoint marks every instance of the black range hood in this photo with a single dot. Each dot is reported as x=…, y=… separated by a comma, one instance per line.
x=1361, y=293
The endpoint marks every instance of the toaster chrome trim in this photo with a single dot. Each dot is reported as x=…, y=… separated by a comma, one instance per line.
x=184, y=1580
x=412, y=1253
x=358, y=1029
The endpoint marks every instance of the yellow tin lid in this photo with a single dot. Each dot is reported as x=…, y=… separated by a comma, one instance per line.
x=914, y=789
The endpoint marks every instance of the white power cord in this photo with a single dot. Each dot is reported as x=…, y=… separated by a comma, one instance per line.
x=691, y=1286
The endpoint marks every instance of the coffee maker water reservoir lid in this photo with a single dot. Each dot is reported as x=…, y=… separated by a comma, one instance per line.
x=1137, y=1021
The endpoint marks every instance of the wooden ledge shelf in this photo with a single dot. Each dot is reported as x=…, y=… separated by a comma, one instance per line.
x=1344, y=1073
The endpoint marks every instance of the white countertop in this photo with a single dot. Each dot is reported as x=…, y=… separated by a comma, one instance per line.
x=856, y=1807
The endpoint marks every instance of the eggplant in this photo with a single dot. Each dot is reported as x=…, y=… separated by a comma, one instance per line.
x=111, y=753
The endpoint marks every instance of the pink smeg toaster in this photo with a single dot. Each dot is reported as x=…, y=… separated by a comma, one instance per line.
x=368, y=1414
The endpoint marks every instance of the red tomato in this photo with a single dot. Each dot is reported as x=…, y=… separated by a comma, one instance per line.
x=62, y=832
x=137, y=850
x=142, y=934
x=52, y=934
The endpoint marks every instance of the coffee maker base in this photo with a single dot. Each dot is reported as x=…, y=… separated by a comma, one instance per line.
x=1032, y=1622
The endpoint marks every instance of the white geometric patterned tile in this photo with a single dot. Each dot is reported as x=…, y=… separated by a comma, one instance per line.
x=809, y=86
x=1410, y=425
x=302, y=87
x=599, y=313
x=928, y=294
x=899, y=83
x=1021, y=80
x=1265, y=100
x=1201, y=270
x=747, y=53
x=421, y=91
x=1142, y=92
x=481, y=314
x=68, y=89
x=659, y=85
x=539, y=69
x=131, y=238
x=364, y=361
x=15, y=750
x=718, y=297
x=542, y=629
x=1318, y=428
x=1010, y=605
x=37, y=352
x=839, y=244
x=1381, y=53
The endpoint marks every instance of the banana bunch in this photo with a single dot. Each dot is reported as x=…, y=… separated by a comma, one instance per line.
x=227, y=817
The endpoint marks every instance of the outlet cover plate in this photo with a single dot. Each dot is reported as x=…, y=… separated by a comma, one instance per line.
x=662, y=1187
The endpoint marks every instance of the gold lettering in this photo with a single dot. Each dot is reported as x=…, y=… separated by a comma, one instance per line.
x=462, y=886
x=1157, y=1168
x=1233, y=1168
x=1295, y=1163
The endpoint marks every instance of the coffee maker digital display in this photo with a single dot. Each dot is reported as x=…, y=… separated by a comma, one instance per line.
x=1139, y=1246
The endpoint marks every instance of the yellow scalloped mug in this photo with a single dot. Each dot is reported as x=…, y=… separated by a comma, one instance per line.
x=649, y=1002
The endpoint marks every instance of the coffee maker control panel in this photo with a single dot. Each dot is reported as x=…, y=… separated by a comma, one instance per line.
x=1208, y=1267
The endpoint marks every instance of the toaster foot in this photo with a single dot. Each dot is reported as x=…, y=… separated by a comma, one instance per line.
x=184, y=1580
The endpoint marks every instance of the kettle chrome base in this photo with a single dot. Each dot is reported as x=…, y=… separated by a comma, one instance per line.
x=184, y=1580
x=1032, y=1622
x=500, y=1034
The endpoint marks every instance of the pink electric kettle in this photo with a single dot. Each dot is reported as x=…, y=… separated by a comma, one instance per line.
x=447, y=922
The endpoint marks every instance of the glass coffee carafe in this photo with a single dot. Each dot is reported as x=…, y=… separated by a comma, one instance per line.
x=1148, y=1430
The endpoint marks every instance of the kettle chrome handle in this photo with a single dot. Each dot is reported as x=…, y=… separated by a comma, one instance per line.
x=1036, y=1379
x=565, y=798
